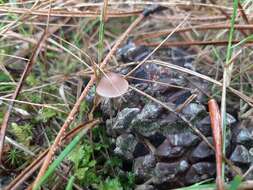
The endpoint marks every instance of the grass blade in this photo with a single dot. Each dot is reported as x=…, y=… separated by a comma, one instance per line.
x=60, y=158
x=226, y=79
x=235, y=183
x=248, y=38
x=70, y=183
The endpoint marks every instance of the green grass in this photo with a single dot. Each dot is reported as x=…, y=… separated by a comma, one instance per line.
x=235, y=183
x=227, y=70
x=70, y=183
x=15, y=158
x=23, y=133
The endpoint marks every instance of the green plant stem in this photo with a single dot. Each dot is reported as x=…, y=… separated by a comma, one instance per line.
x=70, y=183
x=226, y=80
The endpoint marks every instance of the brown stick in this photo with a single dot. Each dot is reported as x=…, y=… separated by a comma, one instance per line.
x=217, y=138
x=220, y=26
x=244, y=16
x=71, y=14
x=190, y=43
x=75, y=109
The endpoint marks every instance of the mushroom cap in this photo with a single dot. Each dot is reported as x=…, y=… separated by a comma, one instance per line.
x=112, y=85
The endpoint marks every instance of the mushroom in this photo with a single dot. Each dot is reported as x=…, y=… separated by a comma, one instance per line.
x=112, y=85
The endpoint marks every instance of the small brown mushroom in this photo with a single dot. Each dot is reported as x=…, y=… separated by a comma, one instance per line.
x=112, y=85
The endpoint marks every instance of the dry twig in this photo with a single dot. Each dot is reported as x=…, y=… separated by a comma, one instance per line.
x=217, y=139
